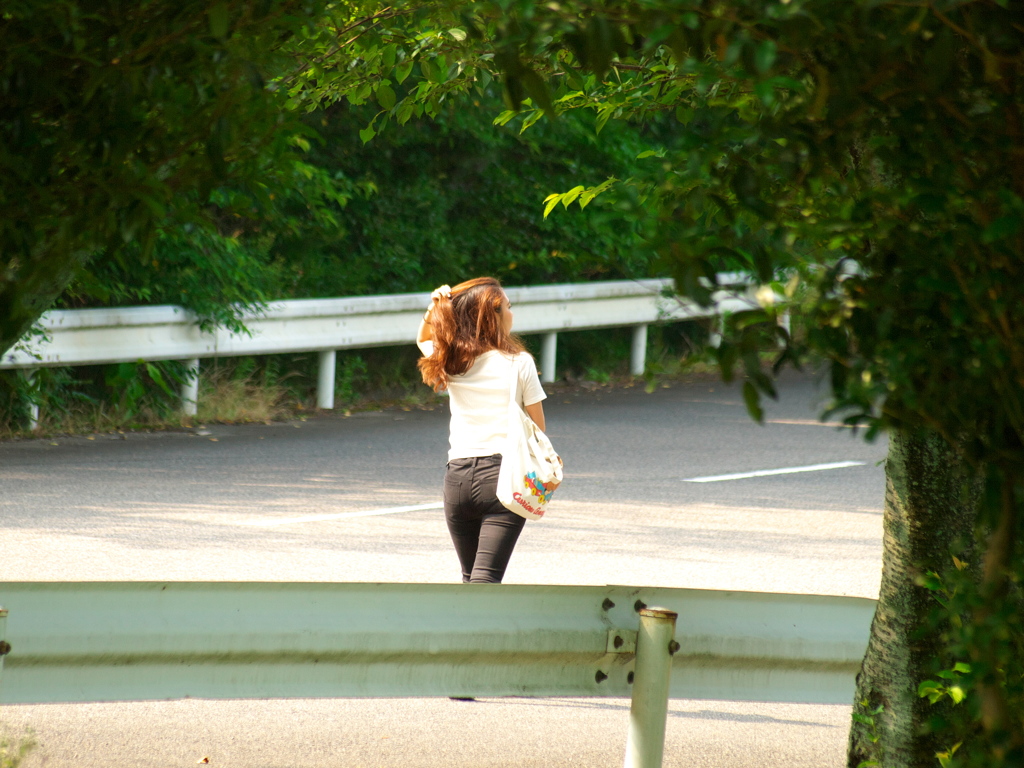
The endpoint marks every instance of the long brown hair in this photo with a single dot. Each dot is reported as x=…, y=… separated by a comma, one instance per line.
x=464, y=326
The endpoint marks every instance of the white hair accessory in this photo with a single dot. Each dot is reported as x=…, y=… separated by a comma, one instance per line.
x=444, y=290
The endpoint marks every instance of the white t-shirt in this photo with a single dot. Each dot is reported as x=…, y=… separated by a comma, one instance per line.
x=479, y=400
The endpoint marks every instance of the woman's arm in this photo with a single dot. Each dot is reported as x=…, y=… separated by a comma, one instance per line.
x=426, y=332
x=536, y=412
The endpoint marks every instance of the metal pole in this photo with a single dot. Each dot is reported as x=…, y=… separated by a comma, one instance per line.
x=638, y=359
x=547, y=358
x=325, y=379
x=715, y=334
x=648, y=711
x=4, y=647
x=33, y=405
x=785, y=322
x=190, y=387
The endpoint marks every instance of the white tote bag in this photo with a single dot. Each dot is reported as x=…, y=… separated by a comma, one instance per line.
x=529, y=464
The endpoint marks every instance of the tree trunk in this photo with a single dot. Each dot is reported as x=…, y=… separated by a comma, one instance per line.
x=929, y=506
x=29, y=286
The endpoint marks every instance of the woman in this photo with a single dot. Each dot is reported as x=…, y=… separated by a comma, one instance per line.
x=468, y=347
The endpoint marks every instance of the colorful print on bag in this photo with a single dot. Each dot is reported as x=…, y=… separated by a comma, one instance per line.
x=537, y=488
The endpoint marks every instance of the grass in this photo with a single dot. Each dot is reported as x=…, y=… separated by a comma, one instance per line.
x=13, y=750
x=228, y=394
x=224, y=398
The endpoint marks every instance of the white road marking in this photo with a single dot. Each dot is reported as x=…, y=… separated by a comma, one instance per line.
x=766, y=472
x=343, y=515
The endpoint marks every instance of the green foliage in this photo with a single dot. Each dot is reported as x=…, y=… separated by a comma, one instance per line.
x=984, y=642
x=143, y=385
x=810, y=136
x=866, y=718
x=458, y=197
x=14, y=750
x=438, y=200
x=114, y=114
x=214, y=276
x=304, y=208
x=869, y=151
x=351, y=374
x=935, y=691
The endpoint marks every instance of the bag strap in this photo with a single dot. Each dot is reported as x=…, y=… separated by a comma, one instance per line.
x=513, y=388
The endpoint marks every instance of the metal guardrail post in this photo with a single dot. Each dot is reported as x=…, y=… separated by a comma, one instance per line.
x=648, y=711
x=638, y=358
x=190, y=387
x=5, y=647
x=325, y=379
x=715, y=333
x=547, y=357
x=33, y=406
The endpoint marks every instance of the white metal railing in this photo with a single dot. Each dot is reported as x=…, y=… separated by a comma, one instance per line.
x=100, y=336
x=120, y=641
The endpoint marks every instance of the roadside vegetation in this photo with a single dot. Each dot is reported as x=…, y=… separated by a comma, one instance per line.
x=866, y=153
x=141, y=396
x=14, y=749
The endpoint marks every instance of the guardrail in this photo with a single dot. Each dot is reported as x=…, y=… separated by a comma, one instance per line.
x=95, y=641
x=100, y=336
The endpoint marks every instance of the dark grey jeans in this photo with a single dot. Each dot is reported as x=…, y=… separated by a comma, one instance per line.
x=483, y=531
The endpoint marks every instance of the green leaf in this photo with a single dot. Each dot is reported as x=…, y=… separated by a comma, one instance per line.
x=429, y=71
x=215, y=150
x=575, y=80
x=441, y=65
x=765, y=92
x=538, y=90
x=593, y=192
x=219, y=20
x=367, y=133
x=603, y=115
x=457, y=34
x=726, y=353
x=158, y=377
x=753, y=401
x=402, y=70
x=956, y=693
x=764, y=56
x=504, y=117
x=928, y=687
x=386, y=96
x=961, y=667
x=550, y=202
x=405, y=112
x=1001, y=229
x=571, y=195
x=946, y=758
x=532, y=118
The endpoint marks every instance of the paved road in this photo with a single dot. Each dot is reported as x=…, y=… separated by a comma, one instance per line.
x=235, y=503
